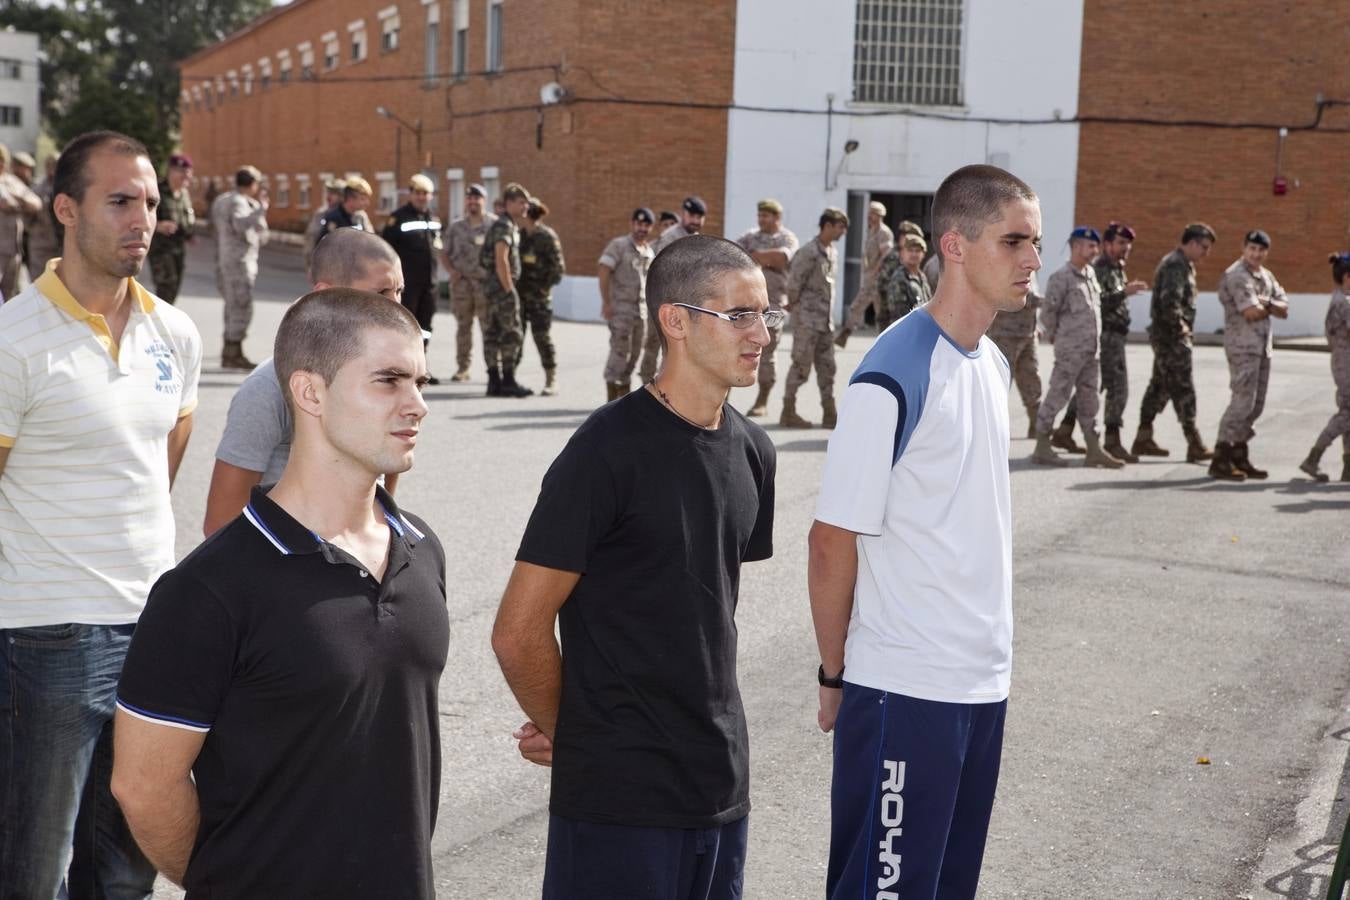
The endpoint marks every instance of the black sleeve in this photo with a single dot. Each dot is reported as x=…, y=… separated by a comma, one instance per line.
x=760, y=545
x=179, y=666
x=577, y=507
x=391, y=231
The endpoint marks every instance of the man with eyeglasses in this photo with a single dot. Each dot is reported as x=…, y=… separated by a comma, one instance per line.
x=811, y=301
x=634, y=549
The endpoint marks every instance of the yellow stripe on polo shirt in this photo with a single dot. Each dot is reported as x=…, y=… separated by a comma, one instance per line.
x=55, y=290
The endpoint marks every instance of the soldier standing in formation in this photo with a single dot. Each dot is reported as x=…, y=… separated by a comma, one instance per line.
x=351, y=212
x=693, y=214
x=1170, y=336
x=463, y=257
x=1072, y=318
x=500, y=257
x=1116, y=291
x=666, y=220
x=40, y=227
x=1015, y=335
x=332, y=196
x=1338, y=336
x=1250, y=295
x=879, y=241
x=622, y=270
x=901, y=285
x=414, y=231
x=16, y=203
x=542, y=267
x=239, y=219
x=811, y=279
x=772, y=246
x=173, y=230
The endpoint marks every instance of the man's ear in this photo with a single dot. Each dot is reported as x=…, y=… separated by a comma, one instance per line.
x=307, y=392
x=66, y=210
x=671, y=321
x=953, y=247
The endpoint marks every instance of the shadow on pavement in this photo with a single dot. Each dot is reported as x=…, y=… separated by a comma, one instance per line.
x=524, y=411
x=816, y=446
x=1301, y=882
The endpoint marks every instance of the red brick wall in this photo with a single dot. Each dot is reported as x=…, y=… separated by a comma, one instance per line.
x=1241, y=61
x=599, y=159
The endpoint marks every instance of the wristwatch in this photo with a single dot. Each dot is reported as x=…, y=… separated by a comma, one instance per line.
x=835, y=682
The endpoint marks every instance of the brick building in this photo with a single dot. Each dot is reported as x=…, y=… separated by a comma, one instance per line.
x=1127, y=111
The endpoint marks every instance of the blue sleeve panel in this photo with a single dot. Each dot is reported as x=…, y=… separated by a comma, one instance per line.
x=900, y=361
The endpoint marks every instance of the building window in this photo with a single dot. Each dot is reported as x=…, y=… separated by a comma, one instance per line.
x=389, y=26
x=10, y=69
x=908, y=52
x=283, y=190
x=330, y=51
x=248, y=79
x=302, y=191
x=461, y=60
x=357, y=38
x=386, y=191
x=264, y=73
x=432, y=41
x=454, y=189
x=491, y=178
x=11, y=115
x=494, y=35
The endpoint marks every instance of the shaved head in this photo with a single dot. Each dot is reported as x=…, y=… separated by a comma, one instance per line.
x=345, y=255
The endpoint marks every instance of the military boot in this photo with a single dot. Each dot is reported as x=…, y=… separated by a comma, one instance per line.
x=1196, y=451
x=494, y=388
x=1311, y=467
x=461, y=374
x=1044, y=454
x=829, y=415
x=1097, y=458
x=611, y=392
x=550, y=383
x=622, y=389
x=1345, y=467
x=761, y=404
x=789, y=418
x=1032, y=412
x=1221, y=464
x=509, y=388
x=1062, y=437
x=1113, y=446
x=426, y=351
x=1243, y=463
x=1143, y=443
x=841, y=339
x=232, y=357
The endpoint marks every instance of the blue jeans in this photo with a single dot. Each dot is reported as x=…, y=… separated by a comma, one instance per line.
x=57, y=694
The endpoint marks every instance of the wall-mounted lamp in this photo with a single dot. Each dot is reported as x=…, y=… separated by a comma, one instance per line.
x=850, y=147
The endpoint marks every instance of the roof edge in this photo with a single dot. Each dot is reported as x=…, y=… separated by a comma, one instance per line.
x=257, y=23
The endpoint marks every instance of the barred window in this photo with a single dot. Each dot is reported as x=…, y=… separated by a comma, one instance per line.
x=908, y=52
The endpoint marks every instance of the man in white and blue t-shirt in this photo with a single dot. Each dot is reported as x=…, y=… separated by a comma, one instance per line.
x=911, y=564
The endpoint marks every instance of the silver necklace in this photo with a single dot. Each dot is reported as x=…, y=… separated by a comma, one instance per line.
x=671, y=406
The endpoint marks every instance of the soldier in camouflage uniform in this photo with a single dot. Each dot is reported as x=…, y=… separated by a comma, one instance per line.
x=1170, y=336
x=693, y=216
x=811, y=280
x=1116, y=291
x=1250, y=296
x=1014, y=333
x=622, y=269
x=1072, y=318
x=541, y=269
x=173, y=230
x=463, y=257
x=1338, y=337
x=500, y=258
x=16, y=203
x=239, y=219
x=876, y=245
x=772, y=246
x=40, y=227
x=901, y=286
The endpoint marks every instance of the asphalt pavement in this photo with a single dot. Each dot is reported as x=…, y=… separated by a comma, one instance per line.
x=1180, y=706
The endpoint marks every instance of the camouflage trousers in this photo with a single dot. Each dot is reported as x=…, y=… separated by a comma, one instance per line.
x=1248, y=378
x=467, y=303
x=9, y=276
x=166, y=270
x=1171, y=380
x=236, y=287
x=536, y=316
x=857, y=310
x=501, y=337
x=811, y=347
x=1115, y=383
x=1020, y=351
x=626, y=332
x=1339, y=426
x=651, y=353
x=1076, y=374
x=768, y=363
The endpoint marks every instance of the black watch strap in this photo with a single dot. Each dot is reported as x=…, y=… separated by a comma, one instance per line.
x=835, y=682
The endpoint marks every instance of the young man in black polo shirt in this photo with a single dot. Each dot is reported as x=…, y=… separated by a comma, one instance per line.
x=277, y=731
x=635, y=546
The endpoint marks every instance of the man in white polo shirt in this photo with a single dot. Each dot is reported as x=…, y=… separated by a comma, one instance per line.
x=910, y=567
x=98, y=380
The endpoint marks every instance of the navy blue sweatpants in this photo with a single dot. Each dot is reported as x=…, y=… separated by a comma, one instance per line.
x=586, y=861
x=912, y=791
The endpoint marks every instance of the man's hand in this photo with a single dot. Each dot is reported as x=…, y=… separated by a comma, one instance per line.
x=533, y=744
x=606, y=311
x=1135, y=287
x=166, y=227
x=1278, y=310
x=830, y=698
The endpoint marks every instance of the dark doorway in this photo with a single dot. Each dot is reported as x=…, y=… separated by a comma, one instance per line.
x=917, y=208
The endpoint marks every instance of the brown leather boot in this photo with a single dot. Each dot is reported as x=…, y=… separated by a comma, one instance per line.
x=232, y=357
x=829, y=415
x=1143, y=443
x=1196, y=451
x=761, y=404
x=1062, y=437
x=789, y=418
x=1113, y=446
x=1243, y=463
x=1221, y=463
x=1311, y=467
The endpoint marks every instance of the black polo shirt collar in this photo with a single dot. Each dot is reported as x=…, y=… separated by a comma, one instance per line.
x=291, y=538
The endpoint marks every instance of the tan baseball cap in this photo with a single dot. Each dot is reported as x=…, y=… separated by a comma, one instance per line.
x=421, y=182
x=360, y=185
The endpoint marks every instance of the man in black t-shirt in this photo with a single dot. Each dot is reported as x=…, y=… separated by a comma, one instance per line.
x=276, y=732
x=635, y=547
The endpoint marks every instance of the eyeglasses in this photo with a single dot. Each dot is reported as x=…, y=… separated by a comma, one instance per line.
x=743, y=320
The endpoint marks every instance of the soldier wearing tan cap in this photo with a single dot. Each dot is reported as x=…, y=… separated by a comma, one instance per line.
x=351, y=211
x=878, y=243
x=16, y=202
x=40, y=227
x=772, y=246
x=239, y=219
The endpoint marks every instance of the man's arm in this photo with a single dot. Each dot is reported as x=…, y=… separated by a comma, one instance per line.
x=4, y=457
x=502, y=255
x=528, y=652
x=228, y=495
x=178, y=441
x=152, y=781
x=831, y=571
x=602, y=272
x=771, y=259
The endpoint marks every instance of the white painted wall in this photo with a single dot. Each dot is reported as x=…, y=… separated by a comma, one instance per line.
x=1021, y=61
x=23, y=93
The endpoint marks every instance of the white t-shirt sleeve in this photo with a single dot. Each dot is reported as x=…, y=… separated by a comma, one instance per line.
x=858, y=465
